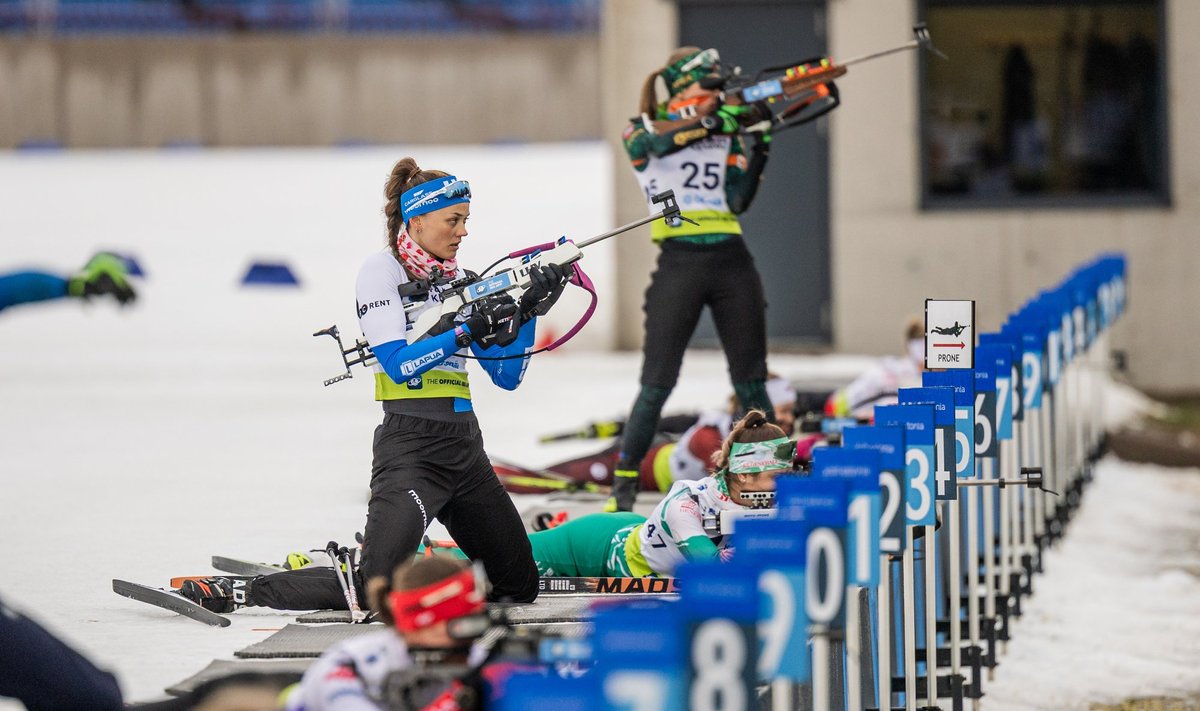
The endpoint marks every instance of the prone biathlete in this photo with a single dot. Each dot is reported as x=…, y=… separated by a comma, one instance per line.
x=104, y=275
x=880, y=384
x=701, y=264
x=605, y=545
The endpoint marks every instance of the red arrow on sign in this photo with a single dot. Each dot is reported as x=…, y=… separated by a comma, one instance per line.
x=950, y=345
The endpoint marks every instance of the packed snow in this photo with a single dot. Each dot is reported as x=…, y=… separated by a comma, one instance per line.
x=136, y=443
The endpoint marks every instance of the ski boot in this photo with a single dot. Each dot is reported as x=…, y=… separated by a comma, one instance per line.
x=546, y=520
x=218, y=594
x=296, y=561
x=624, y=491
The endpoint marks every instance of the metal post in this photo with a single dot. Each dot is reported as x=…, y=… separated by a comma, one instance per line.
x=884, y=653
x=931, y=595
x=972, y=524
x=853, y=670
x=1047, y=448
x=954, y=580
x=1033, y=430
x=820, y=668
x=989, y=550
x=1006, y=471
x=908, y=598
x=781, y=695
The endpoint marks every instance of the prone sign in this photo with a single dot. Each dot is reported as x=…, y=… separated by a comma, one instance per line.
x=949, y=334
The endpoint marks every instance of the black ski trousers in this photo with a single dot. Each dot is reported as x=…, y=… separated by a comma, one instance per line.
x=423, y=469
x=689, y=277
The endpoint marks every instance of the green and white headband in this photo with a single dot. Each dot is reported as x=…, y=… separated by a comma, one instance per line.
x=757, y=457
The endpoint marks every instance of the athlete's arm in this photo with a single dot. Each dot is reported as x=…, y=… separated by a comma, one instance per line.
x=27, y=287
x=509, y=372
x=402, y=360
x=641, y=144
x=382, y=320
x=699, y=548
x=742, y=176
x=683, y=522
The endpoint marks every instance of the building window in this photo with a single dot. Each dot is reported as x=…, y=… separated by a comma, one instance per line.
x=1044, y=103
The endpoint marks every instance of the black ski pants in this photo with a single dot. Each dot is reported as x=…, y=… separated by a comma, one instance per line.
x=689, y=277
x=423, y=469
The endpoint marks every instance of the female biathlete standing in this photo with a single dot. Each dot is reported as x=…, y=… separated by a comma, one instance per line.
x=700, y=264
x=429, y=459
x=624, y=545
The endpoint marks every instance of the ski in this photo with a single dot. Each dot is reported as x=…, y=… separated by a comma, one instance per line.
x=168, y=601
x=244, y=567
x=593, y=586
x=520, y=480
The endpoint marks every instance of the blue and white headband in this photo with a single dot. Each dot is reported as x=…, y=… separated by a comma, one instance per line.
x=434, y=195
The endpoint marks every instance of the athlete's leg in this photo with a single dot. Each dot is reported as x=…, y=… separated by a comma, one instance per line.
x=406, y=492
x=579, y=548
x=312, y=588
x=672, y=306
x=484, y=522
x=412, y=477
x=739, y=311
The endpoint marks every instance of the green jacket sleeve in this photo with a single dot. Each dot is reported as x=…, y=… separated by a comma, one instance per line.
x=641, y=144
x=699, y=548
x=741, y=183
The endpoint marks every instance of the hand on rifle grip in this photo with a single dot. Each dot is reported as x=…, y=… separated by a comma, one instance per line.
x=546, y=285
x=494, y=321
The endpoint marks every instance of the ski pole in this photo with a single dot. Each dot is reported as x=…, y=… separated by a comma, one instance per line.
x=356, y=611
x=356, y=614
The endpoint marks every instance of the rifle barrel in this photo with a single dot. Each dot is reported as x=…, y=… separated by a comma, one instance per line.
x=619, y=230
x=911, y=44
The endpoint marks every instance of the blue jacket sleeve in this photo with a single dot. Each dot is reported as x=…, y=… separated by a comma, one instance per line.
x=402, y=360
x=26, y=287
x=508, y=373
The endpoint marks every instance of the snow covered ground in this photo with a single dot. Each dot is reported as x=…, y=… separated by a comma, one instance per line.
x=137, y=443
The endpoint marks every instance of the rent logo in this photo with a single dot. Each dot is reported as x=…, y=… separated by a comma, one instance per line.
x=364, y=308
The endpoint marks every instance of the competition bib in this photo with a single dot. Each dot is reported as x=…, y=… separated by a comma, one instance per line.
x=697, y=175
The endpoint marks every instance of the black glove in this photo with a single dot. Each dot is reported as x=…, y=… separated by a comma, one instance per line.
x=546, y=285
x=103, y=275
x=494, y=322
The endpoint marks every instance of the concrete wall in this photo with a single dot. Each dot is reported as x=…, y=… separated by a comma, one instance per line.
x=888, y=255
x=84, y=92
x=637, y=36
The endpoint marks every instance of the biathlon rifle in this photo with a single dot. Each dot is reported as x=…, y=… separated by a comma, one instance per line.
x=455, y=295
x=780, y=97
